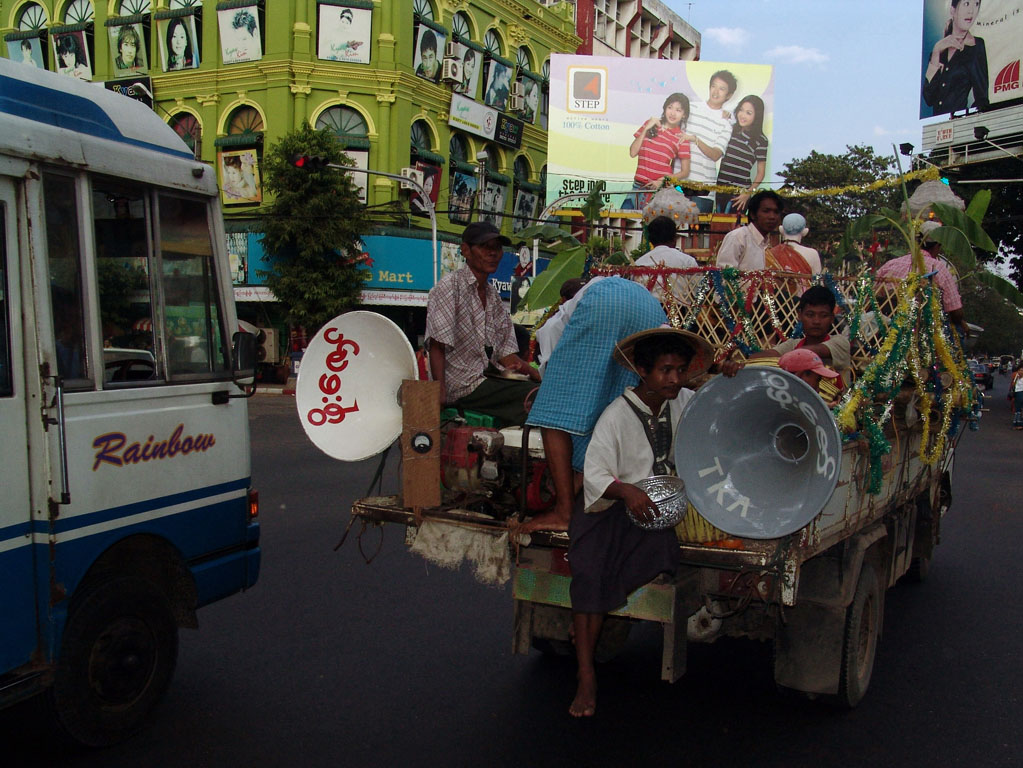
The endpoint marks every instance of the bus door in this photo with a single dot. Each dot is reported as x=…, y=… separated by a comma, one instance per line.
x=139, y=339
x=18, y=613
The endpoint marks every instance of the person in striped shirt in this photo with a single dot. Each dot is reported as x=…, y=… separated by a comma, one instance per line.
x=657, y=144
x=709, y=130
x=747, y=150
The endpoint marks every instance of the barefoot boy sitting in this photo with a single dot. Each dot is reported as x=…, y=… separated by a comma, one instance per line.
x=634, y=438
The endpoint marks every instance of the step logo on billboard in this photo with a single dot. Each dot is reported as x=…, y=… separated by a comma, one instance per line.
x=1008, y=78
x=587, y=92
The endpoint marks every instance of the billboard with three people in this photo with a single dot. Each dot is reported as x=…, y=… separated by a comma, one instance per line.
x=633, y=122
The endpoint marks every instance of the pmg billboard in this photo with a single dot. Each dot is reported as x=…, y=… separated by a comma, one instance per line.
x=971, y=55
x=631, y=122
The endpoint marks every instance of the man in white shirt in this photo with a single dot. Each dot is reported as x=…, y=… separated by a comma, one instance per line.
x=662, y=235
x=708, y=132
x=743, y=248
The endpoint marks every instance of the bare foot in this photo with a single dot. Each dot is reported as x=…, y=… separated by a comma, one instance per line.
x=585, y=702
x=552, y=520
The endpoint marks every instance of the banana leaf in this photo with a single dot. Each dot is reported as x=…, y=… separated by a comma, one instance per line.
x=1000, y=285
x=953, y=217
x=546, y=287
x=978, y=205
x=549, y=234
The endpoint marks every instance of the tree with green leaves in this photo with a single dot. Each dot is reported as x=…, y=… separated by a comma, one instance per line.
x=312, y=229
x=827, y=216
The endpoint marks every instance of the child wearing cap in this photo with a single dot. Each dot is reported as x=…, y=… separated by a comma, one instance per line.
x=807, y=365
x=634, y=438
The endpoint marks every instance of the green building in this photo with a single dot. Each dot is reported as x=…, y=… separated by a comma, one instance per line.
x=454, y=89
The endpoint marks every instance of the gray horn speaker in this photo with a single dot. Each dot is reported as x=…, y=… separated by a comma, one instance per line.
x=759, y=453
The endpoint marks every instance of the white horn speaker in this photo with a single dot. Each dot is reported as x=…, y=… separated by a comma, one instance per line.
x=759, y=453
x=347, y=388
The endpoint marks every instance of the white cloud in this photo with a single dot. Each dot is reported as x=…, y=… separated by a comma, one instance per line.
x=797, y=54
x=729, y=37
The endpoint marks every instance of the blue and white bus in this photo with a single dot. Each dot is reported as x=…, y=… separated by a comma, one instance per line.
x=124, y=463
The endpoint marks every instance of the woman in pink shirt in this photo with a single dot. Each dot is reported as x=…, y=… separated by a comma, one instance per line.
x=657, y=143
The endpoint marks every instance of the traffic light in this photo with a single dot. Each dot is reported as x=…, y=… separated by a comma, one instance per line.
x=309, y=162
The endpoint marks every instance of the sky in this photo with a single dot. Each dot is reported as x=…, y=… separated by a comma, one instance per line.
x=846, y=71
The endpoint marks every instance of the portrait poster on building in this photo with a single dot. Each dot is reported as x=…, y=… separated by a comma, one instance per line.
x=239, y=176
x=28, y=51
x=602, y=108
x=531, y=99
x=360, y=180
x=498, y=85
x=451, y=258
x=239, y=35
x=971, y=55
x=429, y=53
x=431, y=183
x=179, y=48
x=128, y=50
x=344, y=34
x=72, y=55
x=463, y=190
x=237, y=254
x=492, y=203
x=472, y=61
x=525, y=210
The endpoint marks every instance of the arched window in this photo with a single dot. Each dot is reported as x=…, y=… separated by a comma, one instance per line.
x=523, y=59
x=133, y=7
x=353, y=134
x=246, y=121
x=32, y=17
x=422, y=9
x=545, y=93
x=430, y=39
x=188, y=127
x=177, y=4
x=422, y=144
x=78, y=12
x=460, y=25
x=492, y=43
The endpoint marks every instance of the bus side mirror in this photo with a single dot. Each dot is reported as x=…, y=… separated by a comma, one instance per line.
x=244, y=357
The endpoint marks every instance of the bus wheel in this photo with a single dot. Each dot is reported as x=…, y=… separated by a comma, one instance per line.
x=117, y=657
x=862, y=631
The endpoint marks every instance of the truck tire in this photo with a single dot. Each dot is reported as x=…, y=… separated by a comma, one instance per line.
x=117, y=657
x=862, y=632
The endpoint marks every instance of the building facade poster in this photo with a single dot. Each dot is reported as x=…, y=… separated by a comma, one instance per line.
x=460, y=199
x=470, y=60
x=240, y=35
x=239, y=177
x=469, y=115
x=72, y=55
x=499, y=78
x=428, y=54
x=128, y=50
x=28, y=51
x=971, y=55
x=603, y=111
x=179, y=47
x=344, y=34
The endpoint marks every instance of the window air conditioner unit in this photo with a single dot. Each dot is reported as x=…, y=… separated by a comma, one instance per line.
x=451, y=71
x=269, y=350
x=517, y=89
x=412, y=174
x=517, y=103
x=451, y=50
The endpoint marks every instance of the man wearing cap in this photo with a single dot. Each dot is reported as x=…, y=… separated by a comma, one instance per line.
x=743, y=248
x=790, y=255
x=468, y=331
x=899, y=268
x=808, y=366
x=634, y=438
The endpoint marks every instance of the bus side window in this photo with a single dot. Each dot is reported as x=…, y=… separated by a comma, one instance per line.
x=123, y=275
x=192, y=316
x=6, y=390
x=65, y=270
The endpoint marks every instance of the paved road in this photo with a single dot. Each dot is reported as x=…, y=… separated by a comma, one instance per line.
x=332, y=662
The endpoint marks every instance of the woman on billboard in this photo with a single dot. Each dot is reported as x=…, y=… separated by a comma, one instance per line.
x=747, y=149
x=958, y=64
x=657, y=143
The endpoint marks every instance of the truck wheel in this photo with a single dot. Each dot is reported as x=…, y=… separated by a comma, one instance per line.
x=117, y=657
x=862, y=630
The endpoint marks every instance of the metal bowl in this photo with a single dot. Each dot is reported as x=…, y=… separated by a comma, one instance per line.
x=669, y=494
